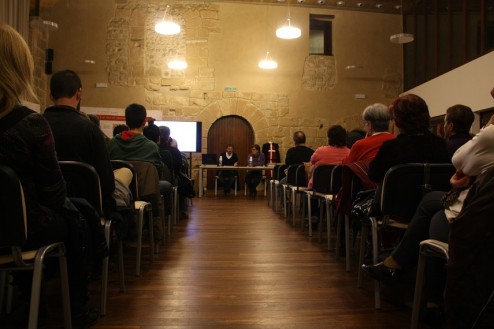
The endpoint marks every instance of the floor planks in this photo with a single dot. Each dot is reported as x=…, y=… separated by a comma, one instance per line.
x=235, y=263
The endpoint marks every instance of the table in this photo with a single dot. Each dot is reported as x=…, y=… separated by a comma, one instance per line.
x=215, y=167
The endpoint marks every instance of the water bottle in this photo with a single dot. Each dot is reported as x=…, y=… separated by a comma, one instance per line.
x=250, y=161
x=221, y=160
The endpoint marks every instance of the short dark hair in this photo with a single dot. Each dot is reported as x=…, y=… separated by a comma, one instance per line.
x=299, y=137
x=152, y=132
x=64, y=84
x=410, y=113
x=337, y=136
x=257, y=147
x=461, y=116
x=164, y=133
x=135, y=114
x=119, y=128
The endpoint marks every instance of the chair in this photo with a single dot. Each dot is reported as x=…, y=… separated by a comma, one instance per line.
x=13, y=234
x=291, y=180
x=83, y=182
x=272, y=184
x=278, y=175
x=263, y=179
x=402, y=189
x=216, y=185
x=326, y=182
x=428, y=248
x=148, y=202
x=354, y=186
x=296, y=183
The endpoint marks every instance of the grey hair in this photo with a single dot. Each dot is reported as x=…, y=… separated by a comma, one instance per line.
x=377, y=114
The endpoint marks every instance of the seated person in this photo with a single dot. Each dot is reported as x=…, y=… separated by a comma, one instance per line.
x=227, y=177
x=333, y=153
x=433, y=214
x=457, y=123
x=253, y=177
x=35, y=162
x=119, y=128
x=133, y=145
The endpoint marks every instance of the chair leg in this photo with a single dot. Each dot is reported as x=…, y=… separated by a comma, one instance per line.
x=121, y=273
x=104, y=270
x=347, y=242
x=329, y=216
x=375, y=251
x=64, y=280
x=338, y=235
x=321, y=211
x=236, y=185
x=151, y=233
x=418, y=291
x=309, y=215
x=363, y=238
x=140, y=224
x=294, y=201
x=216, y=186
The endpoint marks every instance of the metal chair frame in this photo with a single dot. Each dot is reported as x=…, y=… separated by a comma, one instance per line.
x=13, y=234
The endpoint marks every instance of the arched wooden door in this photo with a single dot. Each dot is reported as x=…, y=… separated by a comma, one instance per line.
x=235, y=130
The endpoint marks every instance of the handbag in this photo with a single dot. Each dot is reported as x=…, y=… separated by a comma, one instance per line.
x=363, y=205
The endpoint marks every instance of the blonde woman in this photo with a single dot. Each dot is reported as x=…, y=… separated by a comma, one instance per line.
x=26, y=145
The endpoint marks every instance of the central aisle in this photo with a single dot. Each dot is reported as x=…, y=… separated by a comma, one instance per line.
x=235, y=263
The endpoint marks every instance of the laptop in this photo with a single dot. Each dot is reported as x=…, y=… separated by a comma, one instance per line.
x=209, y=159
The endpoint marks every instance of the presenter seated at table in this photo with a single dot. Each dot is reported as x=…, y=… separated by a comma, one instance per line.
x=227, y=177
x=253, y=177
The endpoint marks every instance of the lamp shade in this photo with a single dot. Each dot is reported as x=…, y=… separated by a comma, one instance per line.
x=177, y=65
x=288, y=31
x=167, y=28
x=268, y=63
x=401, y=38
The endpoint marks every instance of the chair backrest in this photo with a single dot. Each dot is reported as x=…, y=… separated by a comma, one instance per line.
x=404, y=185
x=301, y=176
x=280, y=172
x=134, y=184
x=82, y=182
x=148, y=183
x=13, y=220
x=291, y=175
x=322, y=177
x=335, y=185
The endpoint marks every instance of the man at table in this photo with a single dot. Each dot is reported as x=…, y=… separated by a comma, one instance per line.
x=227, y=177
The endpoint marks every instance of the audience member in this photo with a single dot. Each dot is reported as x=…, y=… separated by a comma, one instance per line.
x=334, y=153
x=253, y=177
x=119, y=128
x=457, y=123
x=227, y=177
x=414, y=143
x=34, y=160
x=376, y=119
x=166, y=143
x=152, y=132
x=133, y=145
x=76, y=137
x=298, y=154
x=353, y=136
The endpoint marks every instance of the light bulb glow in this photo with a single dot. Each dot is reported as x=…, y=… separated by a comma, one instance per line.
x=268, y=63
x=167, y=28
x=288, y=31
x=177, y=65
x=401, y=38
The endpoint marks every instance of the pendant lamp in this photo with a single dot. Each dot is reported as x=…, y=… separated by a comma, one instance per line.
x=268, y=63
x=167, y=26
x=288, y=31
x=401, y=38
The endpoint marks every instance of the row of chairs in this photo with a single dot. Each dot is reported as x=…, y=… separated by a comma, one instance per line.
x=401, y=192
x=82, y=182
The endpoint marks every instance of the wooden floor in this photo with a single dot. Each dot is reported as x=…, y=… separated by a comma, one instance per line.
x=235, y=263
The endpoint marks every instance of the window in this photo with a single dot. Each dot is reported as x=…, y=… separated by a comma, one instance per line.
x=320, y=35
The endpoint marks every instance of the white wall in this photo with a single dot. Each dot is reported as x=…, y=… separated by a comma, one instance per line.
x=469, y=84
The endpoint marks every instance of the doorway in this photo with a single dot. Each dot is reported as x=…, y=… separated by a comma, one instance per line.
x=235, y=130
